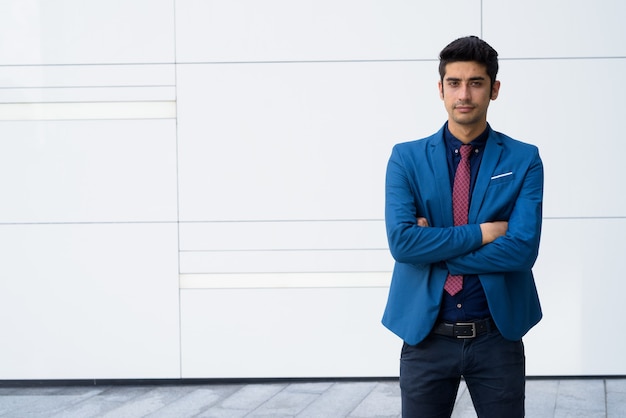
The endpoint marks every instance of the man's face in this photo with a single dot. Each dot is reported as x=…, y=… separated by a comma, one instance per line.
x=466, y=91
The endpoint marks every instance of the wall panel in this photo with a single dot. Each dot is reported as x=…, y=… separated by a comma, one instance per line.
x=555, y=29
x=581, y=290
x=286, y=333
x=87, y=301
x=296, y=141
x=575, y=123
x=300, y=235
x=285, y=261
x=92, y=32
x=103, y=76
x=88, y=171
x=319, y=30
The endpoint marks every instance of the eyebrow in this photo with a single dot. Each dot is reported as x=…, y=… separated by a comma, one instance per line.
x=477, y=78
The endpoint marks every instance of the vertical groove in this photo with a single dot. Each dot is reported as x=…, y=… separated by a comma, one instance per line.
x=180, y=312
x=606, y=399
x=482, y=17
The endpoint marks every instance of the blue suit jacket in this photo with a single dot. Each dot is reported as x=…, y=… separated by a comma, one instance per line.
x=509, y=187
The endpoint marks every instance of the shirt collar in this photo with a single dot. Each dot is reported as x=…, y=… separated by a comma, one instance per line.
x=452, y=143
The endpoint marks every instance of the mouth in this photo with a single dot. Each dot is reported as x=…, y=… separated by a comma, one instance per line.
x=463, y=108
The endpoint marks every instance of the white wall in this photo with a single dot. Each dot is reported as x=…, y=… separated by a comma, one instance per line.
x=559, y=60
x=88, y=225
x=194, y=188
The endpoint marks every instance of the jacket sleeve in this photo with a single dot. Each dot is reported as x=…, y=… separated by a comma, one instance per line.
x=517, y=250
x=408, y=242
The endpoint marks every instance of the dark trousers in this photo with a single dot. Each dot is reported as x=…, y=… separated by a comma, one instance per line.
x=493, y=369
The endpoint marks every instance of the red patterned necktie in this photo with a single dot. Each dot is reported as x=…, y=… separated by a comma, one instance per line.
x=460, y=208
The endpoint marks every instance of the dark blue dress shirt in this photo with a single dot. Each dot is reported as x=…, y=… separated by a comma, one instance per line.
x=471, y=302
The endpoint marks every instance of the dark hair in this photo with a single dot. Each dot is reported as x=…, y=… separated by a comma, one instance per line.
x=470, y=48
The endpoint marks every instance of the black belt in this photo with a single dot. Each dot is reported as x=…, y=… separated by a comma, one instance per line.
x=464, y=329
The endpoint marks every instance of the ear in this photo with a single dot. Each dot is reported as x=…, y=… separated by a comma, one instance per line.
x=495, y=89
x=440, y=85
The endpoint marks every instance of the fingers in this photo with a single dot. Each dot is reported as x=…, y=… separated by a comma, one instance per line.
x=422, y=221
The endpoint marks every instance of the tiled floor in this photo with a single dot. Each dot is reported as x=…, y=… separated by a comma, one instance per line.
x=588, y=398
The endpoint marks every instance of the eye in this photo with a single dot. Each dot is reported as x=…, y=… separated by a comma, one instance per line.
x=476, y=83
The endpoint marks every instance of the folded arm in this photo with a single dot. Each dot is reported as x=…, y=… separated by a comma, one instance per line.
x=496, y=246
x=517, y=250
x=410, y=243
x=490, y=230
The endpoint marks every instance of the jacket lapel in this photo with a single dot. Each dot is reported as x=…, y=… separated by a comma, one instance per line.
x=439, y=167
x=491, y=156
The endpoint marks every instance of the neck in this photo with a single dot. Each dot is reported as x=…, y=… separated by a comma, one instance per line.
x=466, y=133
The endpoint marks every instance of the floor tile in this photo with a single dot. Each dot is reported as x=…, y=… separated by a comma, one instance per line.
x=338, y=400
x=581, y=398
x=382, y=402
x=545, y=398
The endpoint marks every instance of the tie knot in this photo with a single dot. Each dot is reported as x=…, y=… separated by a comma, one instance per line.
x=466, y=150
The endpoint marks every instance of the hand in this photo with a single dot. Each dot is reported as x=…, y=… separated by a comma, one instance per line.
x=493, y=230
x=422, y=221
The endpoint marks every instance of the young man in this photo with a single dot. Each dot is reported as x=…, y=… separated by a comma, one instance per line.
x=463, y=216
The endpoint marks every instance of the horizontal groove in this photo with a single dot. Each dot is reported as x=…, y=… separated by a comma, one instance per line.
x=277, y=220
x=121, y=86
x=265, y=250
x=320, y=61
x=88, y=110
x=86, y=223
x=285, y=280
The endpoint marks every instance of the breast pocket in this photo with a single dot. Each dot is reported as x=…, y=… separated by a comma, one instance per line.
x=500, y=196
x=501, y=178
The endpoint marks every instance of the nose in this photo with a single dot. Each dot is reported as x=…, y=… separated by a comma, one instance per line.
x=464, y=92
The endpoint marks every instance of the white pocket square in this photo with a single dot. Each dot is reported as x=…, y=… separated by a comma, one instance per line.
x=501, y=175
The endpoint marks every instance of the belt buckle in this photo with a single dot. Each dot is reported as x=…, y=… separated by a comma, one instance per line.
x=464, y=324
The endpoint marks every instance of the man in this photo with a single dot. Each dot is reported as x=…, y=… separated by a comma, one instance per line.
x=462, y=293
